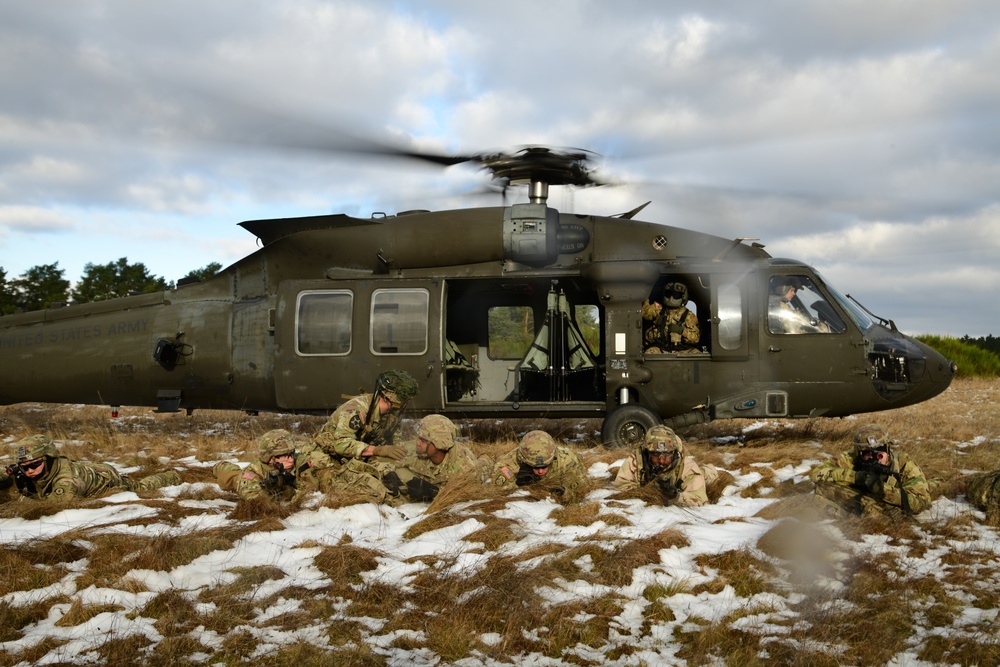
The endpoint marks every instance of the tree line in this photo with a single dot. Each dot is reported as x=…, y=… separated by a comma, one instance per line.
x=45, y=285
x=990, y=343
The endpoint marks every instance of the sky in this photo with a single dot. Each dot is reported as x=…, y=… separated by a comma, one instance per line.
x=861, y=138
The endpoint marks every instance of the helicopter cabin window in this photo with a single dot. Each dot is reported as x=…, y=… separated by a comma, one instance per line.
x=323, y=323
x=730, y=316
x=670, y=320
x=399, y=321
x=511, y=331
x=795, y=305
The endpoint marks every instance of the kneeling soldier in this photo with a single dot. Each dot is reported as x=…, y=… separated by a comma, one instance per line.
x=41, y=473
x=279, y=472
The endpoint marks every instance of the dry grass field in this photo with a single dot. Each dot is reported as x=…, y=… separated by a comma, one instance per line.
x=186, y=575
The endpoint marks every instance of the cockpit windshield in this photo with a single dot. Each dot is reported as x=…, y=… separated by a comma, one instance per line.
x=854, y=311
x=796, y=305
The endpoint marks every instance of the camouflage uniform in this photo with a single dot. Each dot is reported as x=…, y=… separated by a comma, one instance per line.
x=859, y=488
x=262, y=478
x=566, y=476
x=683, y=483
x=983, y=491
x=63, y=479
x=674, y=328
x=418, y=477
x=336, y=451
x=359, y=423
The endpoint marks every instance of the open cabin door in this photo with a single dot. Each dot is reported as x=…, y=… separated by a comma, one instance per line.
x=559, y=366
x=335, y=337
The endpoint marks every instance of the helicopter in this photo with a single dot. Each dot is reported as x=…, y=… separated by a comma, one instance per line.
x=330, y=301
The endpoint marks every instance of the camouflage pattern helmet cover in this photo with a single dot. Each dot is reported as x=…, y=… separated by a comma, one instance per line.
x=675, y=294
x=537, y=449
x=35, y=447
x=871, y=434
x=397, y=386
x=275, y=443
x=871, y=437
x=439, y=431
x=662, y=439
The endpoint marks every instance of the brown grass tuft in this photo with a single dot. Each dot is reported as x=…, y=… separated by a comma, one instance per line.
x=344, y=562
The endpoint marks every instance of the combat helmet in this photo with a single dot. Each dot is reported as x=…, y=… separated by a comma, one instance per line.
x=675, y=294
x=275, y=443
x=871, y=434
x=397, y=386
x=439, y=431
x=871, y=438
x=35, y=447
x=537, y=449
x=662, y=440
x=780, y=287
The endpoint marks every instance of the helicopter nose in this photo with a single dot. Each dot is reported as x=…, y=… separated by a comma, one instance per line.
x=939, y=371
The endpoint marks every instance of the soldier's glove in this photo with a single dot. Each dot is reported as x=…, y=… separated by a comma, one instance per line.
x=525, y=476
x=869, y=481
x=421, y=490
x=675, y=328
x=394, y=452
x=392, y=482
x=270, y=481
x=669, y=488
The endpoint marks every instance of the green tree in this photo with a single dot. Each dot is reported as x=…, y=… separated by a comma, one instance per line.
x=41, y=286
x=202, y=274
x=7, y=302
x=115, y=279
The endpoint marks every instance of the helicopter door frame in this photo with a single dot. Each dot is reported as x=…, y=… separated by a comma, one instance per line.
x=814, y=354
x=333, y=338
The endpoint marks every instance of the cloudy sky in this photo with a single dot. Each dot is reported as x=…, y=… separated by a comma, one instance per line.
x=859, y=137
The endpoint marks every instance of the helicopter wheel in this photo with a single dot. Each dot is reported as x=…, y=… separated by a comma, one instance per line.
x=626, y=425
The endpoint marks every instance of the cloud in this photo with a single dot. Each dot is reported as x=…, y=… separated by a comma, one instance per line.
x=28, y=219
x=803, y=125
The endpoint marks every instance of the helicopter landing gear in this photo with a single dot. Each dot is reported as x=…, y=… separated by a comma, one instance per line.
x=626, y=425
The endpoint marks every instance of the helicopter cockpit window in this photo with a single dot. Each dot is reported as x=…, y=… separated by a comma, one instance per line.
x=323, y=323
x=399, y=321
x=797, y=306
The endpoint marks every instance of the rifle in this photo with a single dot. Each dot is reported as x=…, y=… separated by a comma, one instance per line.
x=12, y=472
x=670, y=488
x=278, y=478
x=870, y=472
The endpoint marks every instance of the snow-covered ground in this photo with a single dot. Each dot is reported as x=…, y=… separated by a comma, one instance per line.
x=654, y=616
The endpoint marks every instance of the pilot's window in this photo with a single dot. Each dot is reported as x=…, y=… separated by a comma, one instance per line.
x=730, y=317
x=511, y=331
x=323, y=322
x=795, y=305
x=399, y=321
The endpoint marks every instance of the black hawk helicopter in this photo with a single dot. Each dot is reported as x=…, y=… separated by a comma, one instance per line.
x=330, y=301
